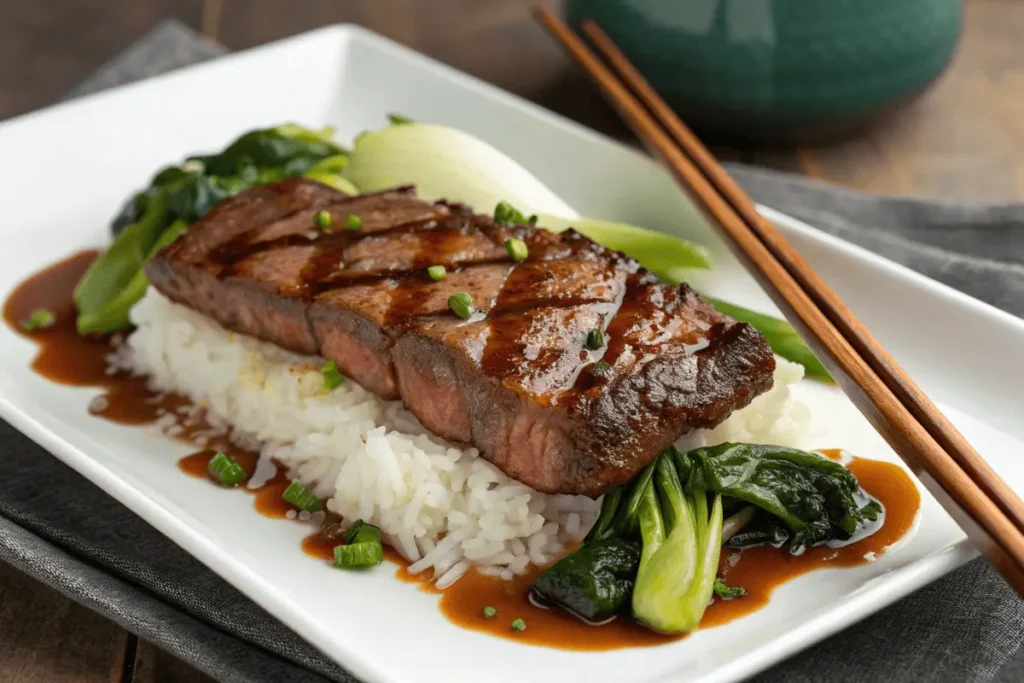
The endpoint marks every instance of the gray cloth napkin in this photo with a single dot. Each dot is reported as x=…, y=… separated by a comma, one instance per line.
x=59, y=528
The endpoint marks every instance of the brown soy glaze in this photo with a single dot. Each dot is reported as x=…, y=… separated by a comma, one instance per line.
x=67, y=358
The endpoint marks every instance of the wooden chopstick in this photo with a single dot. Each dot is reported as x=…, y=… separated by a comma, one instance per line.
x=974, y=506
x=905, y=389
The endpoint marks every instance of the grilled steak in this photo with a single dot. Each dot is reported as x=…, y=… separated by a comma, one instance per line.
x=516, y=379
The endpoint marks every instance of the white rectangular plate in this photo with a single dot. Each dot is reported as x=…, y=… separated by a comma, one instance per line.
x=349, y=78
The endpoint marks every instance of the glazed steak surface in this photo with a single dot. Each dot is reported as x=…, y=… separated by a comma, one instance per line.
x=516, y=379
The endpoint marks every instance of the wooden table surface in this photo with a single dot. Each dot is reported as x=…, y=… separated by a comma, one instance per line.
x=963, y=139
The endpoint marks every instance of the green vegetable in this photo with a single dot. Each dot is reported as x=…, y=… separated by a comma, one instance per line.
x=461, y=304
x=437, y=273
x=399, y=120
x=489, y=612
x=667, y=256
x=39, y=320
x=115, y=269
x=322, y=219
x=97, y=314
x=780, y=335
x=680, y=555
x=674, y=509
x=736, y=522
x=332, y=376
x=353, y=222
x=516, y=248
x=817, y=499
x=328, y=172
x=362, y=547
x=301, y=497
x=519, y=625
x=600, y=368
x=506, y=214
x=595, y=339
x=604, y=526
x=762, y=529
x=595, y=582
x=727, y=592
x=226, y=470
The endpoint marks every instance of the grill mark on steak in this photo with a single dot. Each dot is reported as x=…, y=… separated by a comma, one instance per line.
x=516, y=379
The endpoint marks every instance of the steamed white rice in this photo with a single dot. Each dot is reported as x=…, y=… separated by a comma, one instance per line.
x=441, y=506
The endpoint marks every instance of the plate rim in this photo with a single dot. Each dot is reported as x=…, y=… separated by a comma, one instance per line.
x=926, y=569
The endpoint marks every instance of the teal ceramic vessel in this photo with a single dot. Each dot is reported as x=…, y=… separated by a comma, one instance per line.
x=781, y=70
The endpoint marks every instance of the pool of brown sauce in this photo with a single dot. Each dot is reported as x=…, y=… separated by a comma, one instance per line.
x=67, y=358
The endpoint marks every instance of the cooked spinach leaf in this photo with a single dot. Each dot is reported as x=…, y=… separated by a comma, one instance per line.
x=594, y=582
x=816, y=498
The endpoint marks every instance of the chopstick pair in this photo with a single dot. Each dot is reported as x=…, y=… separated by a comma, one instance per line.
x=964, y=484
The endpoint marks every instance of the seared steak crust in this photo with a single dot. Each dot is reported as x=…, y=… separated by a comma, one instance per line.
x=517, y=378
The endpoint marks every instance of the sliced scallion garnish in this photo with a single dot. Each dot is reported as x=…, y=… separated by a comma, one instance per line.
x=437, y=273
x=362, y=547
x=595, y=339
x=226, y=470
x=332, y=376
x=516, y=248
x=354, y=222
x=301, y=497
x=322, y=219
x=461, y=304
x=39, y=320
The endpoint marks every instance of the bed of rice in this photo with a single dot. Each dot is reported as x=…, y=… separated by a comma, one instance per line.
x=440, y=505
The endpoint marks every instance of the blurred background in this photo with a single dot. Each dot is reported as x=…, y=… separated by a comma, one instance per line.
x=855, y=92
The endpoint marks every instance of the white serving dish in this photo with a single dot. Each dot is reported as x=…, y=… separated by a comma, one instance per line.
x=349, y=78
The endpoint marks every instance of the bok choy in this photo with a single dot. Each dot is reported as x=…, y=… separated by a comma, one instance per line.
x=659, y=537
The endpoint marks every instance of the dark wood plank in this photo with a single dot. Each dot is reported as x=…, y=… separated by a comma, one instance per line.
x=962, y=139
x=47, y=638
x=48, y=46
x=153, y=665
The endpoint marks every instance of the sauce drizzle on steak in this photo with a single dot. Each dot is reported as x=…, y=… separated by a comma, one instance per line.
x=516, y=379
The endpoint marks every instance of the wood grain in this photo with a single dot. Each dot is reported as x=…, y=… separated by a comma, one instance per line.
x=48, y=638
x=962, y=139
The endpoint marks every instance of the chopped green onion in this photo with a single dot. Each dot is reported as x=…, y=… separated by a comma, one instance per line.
x=226, y=470
x=362, y=547
x=356, y=555
x=39, y=320
x=301, y=497
x=519, y=625
x=489, y=612
x=436, y=273
x=506, y=214
x=399, y=120
x=332, y=376
x=727, y=592
x=461, y=304
x=595, y=339
x=516, y=248
x=322, y=219
x=362, y=532
x=354, y=222
x=600, y=368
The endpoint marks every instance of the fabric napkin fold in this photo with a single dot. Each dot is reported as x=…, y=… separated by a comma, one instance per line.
x=64, y=531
